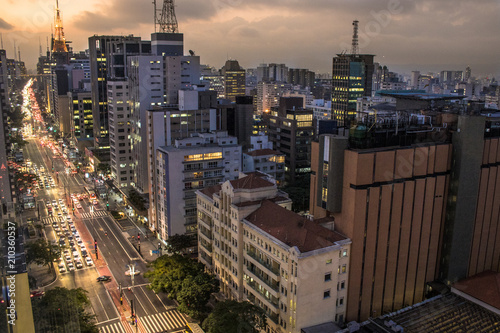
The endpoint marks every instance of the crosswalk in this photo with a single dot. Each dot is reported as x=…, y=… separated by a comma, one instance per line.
x=50, y=219
x=162, y=322
x=97, y=213
x=116, y=327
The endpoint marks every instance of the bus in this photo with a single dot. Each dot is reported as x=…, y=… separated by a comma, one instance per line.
x=91, y=193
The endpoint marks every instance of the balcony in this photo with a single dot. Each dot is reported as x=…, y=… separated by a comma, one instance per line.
x=207, y=234
x=275, y=270
x=274, y=285
x=207, y=247
x=262, y=291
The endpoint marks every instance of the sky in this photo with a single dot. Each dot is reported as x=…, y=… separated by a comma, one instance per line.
x=405, y=35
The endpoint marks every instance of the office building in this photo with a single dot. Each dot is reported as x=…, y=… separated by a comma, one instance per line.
x=415, y=192
x=234, y=80
x=294, y=269
x=290, y=128
x=108, y=60
x=191, y=163
x=351, y=79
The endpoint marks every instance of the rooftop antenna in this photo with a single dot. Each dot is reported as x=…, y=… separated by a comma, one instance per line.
x=15, y=51
x=355, y=48
x=1, y=41
x=165, y=17
x=40, y=46
x=18, y=54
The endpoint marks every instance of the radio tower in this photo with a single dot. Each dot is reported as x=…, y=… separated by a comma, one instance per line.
x=59, y=44
x=165, y=17
x=355, y=48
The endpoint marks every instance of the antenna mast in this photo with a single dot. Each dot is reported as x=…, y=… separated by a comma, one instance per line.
x=1, y=41
x=355, y=48
x=165, y=18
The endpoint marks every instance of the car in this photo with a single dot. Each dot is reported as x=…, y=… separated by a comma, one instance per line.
x=94, y=202
x=71, y=267
x=78, y=264
x=104, y=278
x=84, y=254
x=37, y=293
x=89, y=261
x=68, y=259
x=62, y=268
x=82, y=247
x=78, y=206
x=127, y=272
x=76, y=254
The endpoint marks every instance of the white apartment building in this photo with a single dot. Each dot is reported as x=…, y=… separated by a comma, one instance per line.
x=191, y=164
x=294, y=269
x=122, y=166
x=268, y=161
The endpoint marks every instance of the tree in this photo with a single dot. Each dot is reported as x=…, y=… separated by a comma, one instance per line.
x=169, y=272
x=42, y=252
x=64, y=310
x=195, y=293
x=184, y=280
x=176, y=244
x=233, y=316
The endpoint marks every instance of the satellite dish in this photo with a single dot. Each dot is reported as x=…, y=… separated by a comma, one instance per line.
x=191, y=52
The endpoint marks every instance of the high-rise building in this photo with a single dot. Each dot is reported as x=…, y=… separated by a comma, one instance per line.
x=290, y=128
x=416, y=197
x=108, y=60
x=234, y=80
x=121, y=163
x=301, y=76
x=6, y=191
x=190, y=164
x=351, y=79
x=295, y=269
x=468, y=73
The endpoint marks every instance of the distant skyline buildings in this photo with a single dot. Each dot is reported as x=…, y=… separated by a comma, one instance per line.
x=407, y=36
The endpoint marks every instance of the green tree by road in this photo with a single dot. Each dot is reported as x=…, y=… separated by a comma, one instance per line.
x=233, y=316
x=185, y=280
x=42, y=252
x=64, y=310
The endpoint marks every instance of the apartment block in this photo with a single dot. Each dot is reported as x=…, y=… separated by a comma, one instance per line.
x=121, y=163
x=192, y=163
x=294, y=269
x=268, y=161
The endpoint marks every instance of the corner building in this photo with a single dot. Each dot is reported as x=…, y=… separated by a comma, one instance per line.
x=295, y=269
x=420, y=207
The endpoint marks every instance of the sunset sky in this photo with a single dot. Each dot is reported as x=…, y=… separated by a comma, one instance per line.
x=405, y=35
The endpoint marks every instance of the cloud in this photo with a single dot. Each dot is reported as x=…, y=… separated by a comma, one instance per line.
x=5, y=25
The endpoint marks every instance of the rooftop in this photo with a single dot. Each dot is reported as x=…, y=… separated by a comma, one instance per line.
x=291, y=228
x=251, y=181
x=263, y=152
x=421, y=96
x=484, y=287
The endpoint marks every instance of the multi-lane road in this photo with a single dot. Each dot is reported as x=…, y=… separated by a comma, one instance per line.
x=111, y=301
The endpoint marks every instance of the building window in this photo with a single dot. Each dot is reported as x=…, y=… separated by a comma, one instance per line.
x=344, y=253
x=328, y=276
x=326, y=294
x=340, y=301
x=329, y=261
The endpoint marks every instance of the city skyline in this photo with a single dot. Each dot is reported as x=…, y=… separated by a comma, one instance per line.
x=405, y=35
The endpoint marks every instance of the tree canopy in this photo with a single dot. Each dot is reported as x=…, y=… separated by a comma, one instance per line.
x=233, y=316
x=184, y=280
x=176, y=244
x=42, y=252
x=64, y=310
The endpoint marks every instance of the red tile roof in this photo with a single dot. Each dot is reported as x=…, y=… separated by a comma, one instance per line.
x=252, y=181
x=263, y=152
x=484, y=286
x=209, y=191
x=291, y=228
